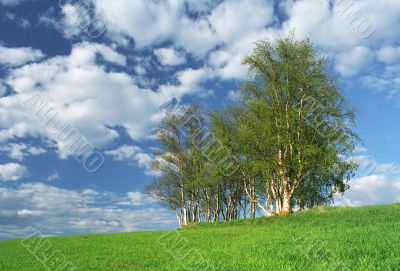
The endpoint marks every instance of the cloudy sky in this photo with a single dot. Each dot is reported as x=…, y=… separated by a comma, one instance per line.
x=103, y=68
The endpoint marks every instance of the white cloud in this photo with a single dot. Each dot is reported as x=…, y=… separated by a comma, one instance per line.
x=223, y=32
x=88, y=97
x=137, y=199
x=54, y=177
x=226, y=62
x=386, y=82
x=133, y=155
x=147, y=22
x=124, y=152
x=18, y=151
x=169, y=56
x=191, y=78
x=352, y=62
x=12, y=172
x=372, y=190
x=390, y=169
x=227, y=24
x=36, y=150
x=26, y=213
x=19, y=56
x=389, y=54
x=55, y=211
x=386, y=18
x=375, y=183
x=232, y=19
x=74, y=16
x=324, y=20
x=335, y=18
x=22, y=22
x=140, y=70
x=75, y=21
x=333, y=29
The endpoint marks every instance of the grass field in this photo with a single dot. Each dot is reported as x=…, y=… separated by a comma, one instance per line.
x=329, y=238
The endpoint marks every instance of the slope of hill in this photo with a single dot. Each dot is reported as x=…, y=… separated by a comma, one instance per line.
x=325, y=238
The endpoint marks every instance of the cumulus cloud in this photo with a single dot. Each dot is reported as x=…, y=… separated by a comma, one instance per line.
x=18, y=151
x=137, y=199
x=133, y=155
x=352, y=62
x=12, y=172
x=145, y=21
x=325, y=20
x=223, y=32
x=389, y=54
x=19, y=56
x=54, y=177
x=385, y=81
x=375, y=183
x=372, y=190
x=169, y=56
x=85, y=94
x=55, y=211
x=149, y=23
x=20, y=21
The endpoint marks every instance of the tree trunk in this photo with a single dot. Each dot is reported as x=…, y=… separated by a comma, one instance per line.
x=287, y=203
x=245, y=207
x=184, y=212
x=208, y=208
x=192, y=209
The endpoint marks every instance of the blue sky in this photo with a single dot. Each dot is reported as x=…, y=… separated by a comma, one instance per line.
x=106, y=66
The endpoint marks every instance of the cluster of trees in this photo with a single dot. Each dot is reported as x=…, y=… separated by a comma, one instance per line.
x=284, y=146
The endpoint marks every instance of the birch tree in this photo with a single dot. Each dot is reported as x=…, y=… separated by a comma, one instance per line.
x=286, y=77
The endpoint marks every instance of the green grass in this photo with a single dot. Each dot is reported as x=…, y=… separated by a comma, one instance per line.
x=329, y=238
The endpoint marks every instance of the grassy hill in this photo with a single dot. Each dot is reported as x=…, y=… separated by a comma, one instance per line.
x=329, y=238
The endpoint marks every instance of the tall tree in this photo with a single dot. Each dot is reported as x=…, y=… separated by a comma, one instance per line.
x=304, y=122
